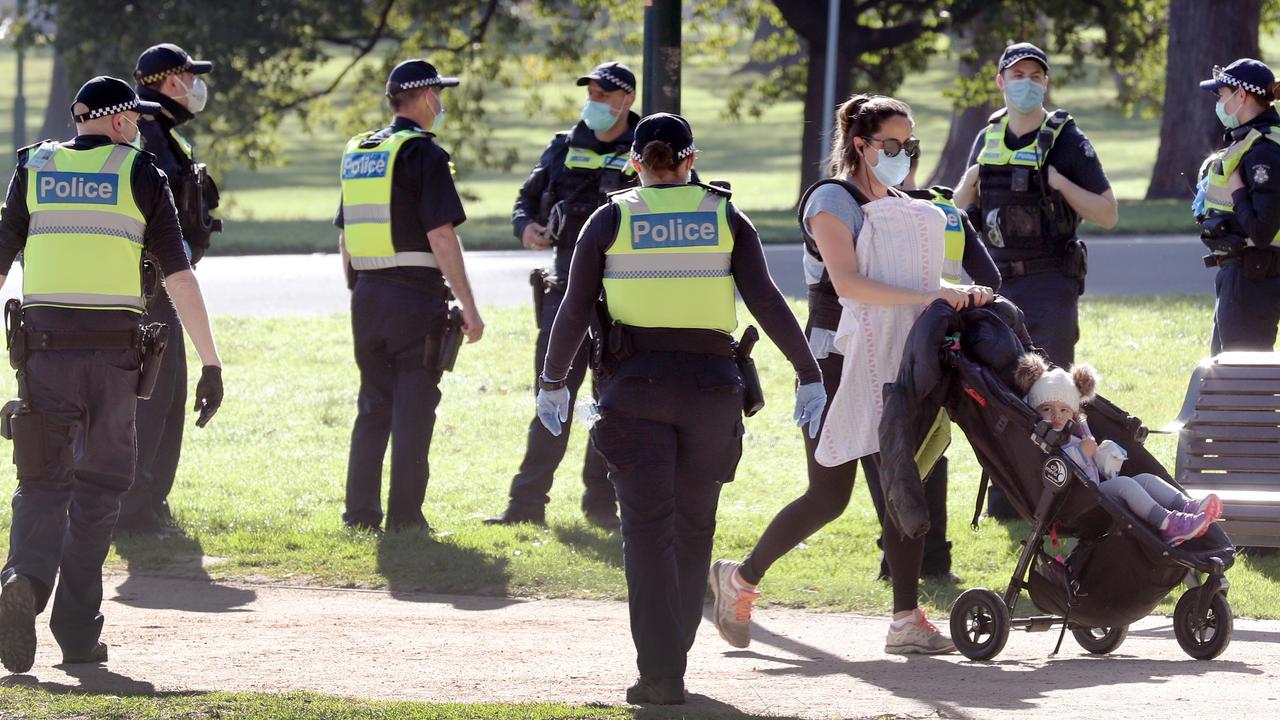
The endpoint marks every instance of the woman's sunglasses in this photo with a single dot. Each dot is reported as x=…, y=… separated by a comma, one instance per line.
x=893, y=146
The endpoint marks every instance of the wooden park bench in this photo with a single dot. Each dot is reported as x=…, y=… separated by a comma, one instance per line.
x=1229, y=442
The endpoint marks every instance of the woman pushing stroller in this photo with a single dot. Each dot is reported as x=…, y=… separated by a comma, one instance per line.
x=1057, y=395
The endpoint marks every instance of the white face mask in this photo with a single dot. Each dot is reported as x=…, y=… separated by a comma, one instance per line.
x=136, y=142
x=891, y=170
x=197, y=95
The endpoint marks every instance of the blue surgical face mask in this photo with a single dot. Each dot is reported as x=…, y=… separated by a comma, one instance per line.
x=1024, y=94
x=892, y=170
x=598, y=116
x=1229, y=121
x=438, y=121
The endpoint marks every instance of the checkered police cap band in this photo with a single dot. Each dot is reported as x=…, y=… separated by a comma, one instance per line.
x=679, y=156
x=154, y=78
x=415, y=84
x=606, y=75
x=1020, y=57
x=1226, y=79
x=109, y=110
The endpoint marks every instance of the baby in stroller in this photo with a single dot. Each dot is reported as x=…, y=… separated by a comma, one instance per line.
x=1056, y=395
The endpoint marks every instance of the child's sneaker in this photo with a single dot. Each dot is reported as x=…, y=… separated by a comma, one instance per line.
x=1210, y=505
x=1180, y=527
x=732, y=609
x=916, y=636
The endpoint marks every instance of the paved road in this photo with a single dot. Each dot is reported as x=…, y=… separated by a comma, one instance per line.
x=274, y=285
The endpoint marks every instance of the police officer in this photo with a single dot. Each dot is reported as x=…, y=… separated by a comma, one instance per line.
x=1033, y=177
x=1238, y=208
x=83, y=213
x=398, y=214
x=576, y=172
x=667, y=258
x=166, y=75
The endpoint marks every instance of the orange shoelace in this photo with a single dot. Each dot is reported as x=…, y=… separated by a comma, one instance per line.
x=924, y=624
x=743, y=604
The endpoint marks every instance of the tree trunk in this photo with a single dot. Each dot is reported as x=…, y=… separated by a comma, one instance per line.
x=765, y=33
x=1201, y=35
x=57, y=111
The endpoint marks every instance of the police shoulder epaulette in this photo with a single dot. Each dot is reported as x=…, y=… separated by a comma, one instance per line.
x=725, y=192
x=619, y=192
x=943, y=190
x=995, y=116
x=27, y=154
x=1058, y=118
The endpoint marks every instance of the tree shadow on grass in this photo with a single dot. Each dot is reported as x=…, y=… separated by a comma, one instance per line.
x=173, y=556
x=415, y=565
x=605, y=547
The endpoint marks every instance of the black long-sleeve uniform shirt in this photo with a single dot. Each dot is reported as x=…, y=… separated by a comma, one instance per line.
x=162, y=237
x=750, y=275
x=1257, y=204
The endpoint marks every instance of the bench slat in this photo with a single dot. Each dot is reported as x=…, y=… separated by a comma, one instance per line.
x=1239, y=385
x=1230, y=481
x=1250, y=372
x=1237, y=402
x=1221, y=447
x=1236, y=417
x=1235, y=462
x=1201, y=431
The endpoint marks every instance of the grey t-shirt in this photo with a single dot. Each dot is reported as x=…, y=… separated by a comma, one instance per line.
x=829, y=198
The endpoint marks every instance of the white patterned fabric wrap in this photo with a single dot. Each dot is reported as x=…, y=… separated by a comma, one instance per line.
x=901, y=244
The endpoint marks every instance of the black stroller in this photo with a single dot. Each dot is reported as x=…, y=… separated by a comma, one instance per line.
x=1120, y=568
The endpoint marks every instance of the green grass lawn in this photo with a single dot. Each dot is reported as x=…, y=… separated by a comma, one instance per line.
x=287, y=208
x=260, y=490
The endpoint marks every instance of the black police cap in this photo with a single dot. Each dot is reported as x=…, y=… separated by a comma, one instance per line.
x=103, y=96
x=1022, y=51
x=664, y=127
x=412, y=74
x=611, y=76
x=159, y=61
x=1252, y=75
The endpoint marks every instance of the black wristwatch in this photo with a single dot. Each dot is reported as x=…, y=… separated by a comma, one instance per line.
x=545, y=384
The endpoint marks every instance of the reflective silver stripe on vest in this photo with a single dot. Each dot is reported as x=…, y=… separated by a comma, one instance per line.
x=952, y=269
x=666, y=265
x=86, y=222
x=116, y=159
x=365, y=214
x=82, y=299
x=710, y=202
x=400, y=259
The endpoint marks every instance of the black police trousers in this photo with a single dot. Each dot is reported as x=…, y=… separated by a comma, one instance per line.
x=1050, y=302
x=160, y=425
x=670, y=431
x=828, y=495
x=63, y=519
x=397, y=401
x=1246, y=312
x=544, y=451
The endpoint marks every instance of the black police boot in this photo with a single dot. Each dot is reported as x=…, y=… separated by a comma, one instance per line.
x=600, y=510
x=516, y=514
x=18, y=625
x=604, y=519
x=664, y=691
x=94, y=656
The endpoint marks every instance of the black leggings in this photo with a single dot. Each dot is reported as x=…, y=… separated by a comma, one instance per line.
x=825, y=500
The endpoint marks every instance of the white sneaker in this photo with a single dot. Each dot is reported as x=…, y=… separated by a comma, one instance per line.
x=919, y=636
x=732, y=610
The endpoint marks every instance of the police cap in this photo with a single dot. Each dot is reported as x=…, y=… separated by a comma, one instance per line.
x=159, y=61
x=1252, y=75
x=611, y=76
x=664, y=127
x=105, y=96
x=412, y=74
x=1022, y=51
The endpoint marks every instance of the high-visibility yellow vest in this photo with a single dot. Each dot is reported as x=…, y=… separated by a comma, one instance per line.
x=1014, y=214
x=669, y=266
x=1221, y=165
x=953, y=255
x=366, y=203
x=577, y=158
x=85, y=236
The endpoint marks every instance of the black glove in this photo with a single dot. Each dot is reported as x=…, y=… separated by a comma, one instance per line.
x=208, y=394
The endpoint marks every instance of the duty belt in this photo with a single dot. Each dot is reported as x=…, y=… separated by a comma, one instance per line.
x=706, y=342
x=1018, y=268
x=82, y=340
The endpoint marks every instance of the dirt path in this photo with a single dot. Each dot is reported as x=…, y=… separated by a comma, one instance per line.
x=171, y=635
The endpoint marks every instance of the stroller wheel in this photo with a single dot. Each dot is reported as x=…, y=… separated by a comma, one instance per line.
x=1100, y=641
x=1203, y=640
x=979, y=624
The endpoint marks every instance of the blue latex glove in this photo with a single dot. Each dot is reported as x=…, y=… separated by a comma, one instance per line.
x=1197, y=205
x=553, y=409
x=811, y=398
